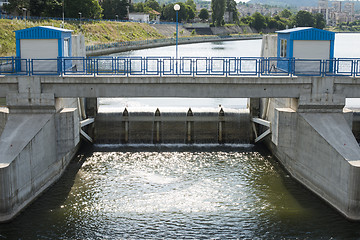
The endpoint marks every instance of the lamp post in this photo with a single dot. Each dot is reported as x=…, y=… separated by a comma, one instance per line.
x=80, y=17
x=63, y=13
x=177, y=8
x=24, y=13
x=117, y=17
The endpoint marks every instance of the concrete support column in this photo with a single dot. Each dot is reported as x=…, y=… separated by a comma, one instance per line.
x=91, y=106
x=36, y=144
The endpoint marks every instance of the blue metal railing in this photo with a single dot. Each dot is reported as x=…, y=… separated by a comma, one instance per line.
x=184, y=66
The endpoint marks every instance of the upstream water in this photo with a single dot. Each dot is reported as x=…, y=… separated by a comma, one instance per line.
x=179, y=191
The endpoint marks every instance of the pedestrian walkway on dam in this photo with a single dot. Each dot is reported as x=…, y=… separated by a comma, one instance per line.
x=184, y=66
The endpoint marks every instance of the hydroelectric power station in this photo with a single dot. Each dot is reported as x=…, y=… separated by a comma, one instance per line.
x=296, y=92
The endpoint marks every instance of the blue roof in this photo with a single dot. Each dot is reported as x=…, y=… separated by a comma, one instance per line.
x=307, y=33
x=293, y=29
x=41, y=32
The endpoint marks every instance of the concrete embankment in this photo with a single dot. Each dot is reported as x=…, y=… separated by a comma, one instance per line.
x=35, y=148
x=105, y=49
x=312, y=137
x=40, y=134
x=209, y=126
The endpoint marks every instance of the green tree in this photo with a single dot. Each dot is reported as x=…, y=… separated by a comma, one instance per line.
x=272, y=24
x=258, y=21
x=17, y=6
x=319, y=21
x=304, y=19
x=204, y=14
x=153, y=4
x=52, y=8
x=111, y=8
x=285, y=13
x=246, y=20
x=231, y=7
x=88, y=9
x=41, y=8
x=190, y=13
x=191, y=4
x=107, y=9
x=37, y=7
x=169, y=14
x=139, y=7
x=218, y=11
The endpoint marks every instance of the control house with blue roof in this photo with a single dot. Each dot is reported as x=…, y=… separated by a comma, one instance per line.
x=40, y=43
x=307, y=43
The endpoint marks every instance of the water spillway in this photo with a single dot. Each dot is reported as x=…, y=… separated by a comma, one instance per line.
x=175, y=126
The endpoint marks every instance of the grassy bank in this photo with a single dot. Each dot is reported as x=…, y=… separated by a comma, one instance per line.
x=94, y=32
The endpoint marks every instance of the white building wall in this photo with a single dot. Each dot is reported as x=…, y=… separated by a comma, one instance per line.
x=139, y=17
x=40, y=49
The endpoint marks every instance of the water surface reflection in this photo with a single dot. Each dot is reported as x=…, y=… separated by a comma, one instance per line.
x=178, y=191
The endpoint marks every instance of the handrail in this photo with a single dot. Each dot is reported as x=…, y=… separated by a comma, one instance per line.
x=184, y=66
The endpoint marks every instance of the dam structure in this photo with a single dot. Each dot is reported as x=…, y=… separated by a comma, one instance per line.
x=299, y=106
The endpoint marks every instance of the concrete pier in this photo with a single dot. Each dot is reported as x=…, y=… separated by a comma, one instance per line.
x=312, y=137
x=35, y=150
x=39, y=135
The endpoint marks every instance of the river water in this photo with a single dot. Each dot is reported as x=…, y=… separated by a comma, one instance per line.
x=180, y=191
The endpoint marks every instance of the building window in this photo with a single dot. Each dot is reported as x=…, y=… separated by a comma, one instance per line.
x=66, y=47
x=283, y=46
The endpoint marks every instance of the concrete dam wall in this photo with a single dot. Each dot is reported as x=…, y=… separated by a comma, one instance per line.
x=214, y=126
x=312, y=136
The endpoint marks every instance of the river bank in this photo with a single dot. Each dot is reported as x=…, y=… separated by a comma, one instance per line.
x=105, y=32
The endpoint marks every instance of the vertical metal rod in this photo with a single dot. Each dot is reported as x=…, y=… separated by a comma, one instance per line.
x=176, y=35
x=63, y=14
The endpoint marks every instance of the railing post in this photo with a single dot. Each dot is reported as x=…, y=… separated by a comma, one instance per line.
x=30, y=69
x=160, y=67
x=95, y=66
x=226, y=67
x=59, y=66
x=355, y=68
x=193, y=67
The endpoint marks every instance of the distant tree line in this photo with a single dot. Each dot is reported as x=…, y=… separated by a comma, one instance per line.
x=108, y=9
x=55, y=8
x=118, y=9
x=284, y=20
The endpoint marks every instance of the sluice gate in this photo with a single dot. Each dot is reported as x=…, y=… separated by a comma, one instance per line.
x=152, y=127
